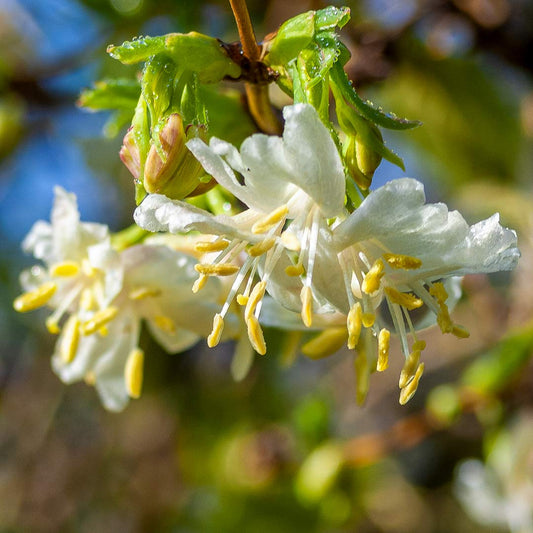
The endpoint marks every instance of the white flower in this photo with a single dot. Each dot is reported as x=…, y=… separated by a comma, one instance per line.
x=397, y=249
x=291, y=186
x=105, y=295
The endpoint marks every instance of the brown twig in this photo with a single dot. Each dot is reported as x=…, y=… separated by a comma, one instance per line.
x=257, y=95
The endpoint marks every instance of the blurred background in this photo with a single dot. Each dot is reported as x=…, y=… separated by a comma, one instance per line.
x=288, y=449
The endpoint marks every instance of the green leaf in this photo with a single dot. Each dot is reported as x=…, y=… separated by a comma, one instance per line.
x=292, y=37
x=493, y=372
x=330, y=17
x=367, y=109
x=137, y=50
x=201, y=54
x=120, y=94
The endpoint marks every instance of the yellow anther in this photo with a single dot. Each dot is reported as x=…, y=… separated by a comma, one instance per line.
x=103, y=331
x=443, y=319
x=133, y=372
x=68, y=268
x=460, y=332
x=70, y=339
x=199, y=284
x=306, y=297
x=368, y=319
x=223, y=269
x=325, y=343
x=36, y=298
x=261, y=247
x=165, y=324
x=265, y=223
x=90, y=378
x=405, y=299
x=295, y=270
x=419, y=345
x=255, y=297
x=218, y=325
x=438, y=292
x=99, y=319
x=362, y=375
x=409, y=368
x=140, y=293
x=87, y=300
x=409, y=391
x=354, y=323
x=406, y=262
x=213, y=246
x=52, y=326
x=291, y=241
x=373, y=277
x=383, y=350
x=255, y=334
x=242, y=300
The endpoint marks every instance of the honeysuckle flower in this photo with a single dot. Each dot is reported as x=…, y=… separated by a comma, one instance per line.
x=291, y=185
x=397, y=250
x=99, y=297
x=102, y=344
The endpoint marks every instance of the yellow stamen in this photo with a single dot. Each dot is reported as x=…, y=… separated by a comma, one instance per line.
x=103, y=331
x=325, y=343
x=199, y=284
x=140, y=293
x=460, y=332
x=133, y=372
x=165, y=324
x=405, y=299
x=52, y=326
x=218, y=325
x=261, y=247
x=255, y=334
x=87, y=300
x=70, y=339
x=213, y=246
x=295, y=270
x=255, y=297
x=354, y=323
x=265, y=223
x=90, y=378
x=373, y=277
x=306, y=297
x=409, y=391
x=291, y=241
x=99, y=319
x=419, y=345
x=65, y=269
x=406, y=262
x=368, y=319
x=383, y=350
x=438, y=292
x=224, y=269
x=36, y=298
x=408, y=369
x=242, y=300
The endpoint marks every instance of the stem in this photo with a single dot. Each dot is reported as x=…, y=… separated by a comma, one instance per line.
x=256, y=95
x=246, y=30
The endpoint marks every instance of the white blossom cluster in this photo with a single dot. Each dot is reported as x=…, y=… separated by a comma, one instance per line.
x=296, y=257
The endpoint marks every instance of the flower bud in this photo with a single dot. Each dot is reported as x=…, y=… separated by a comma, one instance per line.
x=130, y=155
x=169, y=168
x=361, y=159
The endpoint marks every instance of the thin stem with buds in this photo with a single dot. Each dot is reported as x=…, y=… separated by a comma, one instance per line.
x=257, y=95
